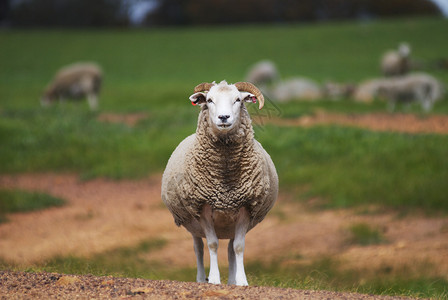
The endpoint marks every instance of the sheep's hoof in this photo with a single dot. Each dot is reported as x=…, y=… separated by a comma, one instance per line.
x=214, y=281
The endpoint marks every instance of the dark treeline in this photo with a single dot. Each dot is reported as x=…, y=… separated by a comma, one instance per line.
x=203, y=12
x=66, y=13
x=70, y=13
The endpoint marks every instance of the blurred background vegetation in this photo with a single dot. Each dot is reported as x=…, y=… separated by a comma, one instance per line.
x=153, y=70
x=71, y=13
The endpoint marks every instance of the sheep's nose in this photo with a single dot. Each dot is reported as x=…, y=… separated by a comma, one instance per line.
x=223, y=118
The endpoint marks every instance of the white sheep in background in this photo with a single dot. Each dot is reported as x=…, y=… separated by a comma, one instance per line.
x=75, y=81
x=396, y=62
x=337, y=91
x=421, y=88
x=367, y=91
x=263, y=73
x=220, y=182
x=298, y=88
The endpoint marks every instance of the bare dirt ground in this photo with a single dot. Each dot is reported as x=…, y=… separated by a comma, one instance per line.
x=18, y=285
x=398, y=122
x=103, y=214
x=129, y=119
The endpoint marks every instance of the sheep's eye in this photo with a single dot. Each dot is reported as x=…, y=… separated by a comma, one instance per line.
x=209, y=101
x=238, y=100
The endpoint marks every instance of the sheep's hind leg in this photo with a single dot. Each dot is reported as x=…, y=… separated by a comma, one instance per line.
x=242, y=225
x=93, y=101
x=199, y=251
x=391, y=106
x=232, y=263
x=212, y=243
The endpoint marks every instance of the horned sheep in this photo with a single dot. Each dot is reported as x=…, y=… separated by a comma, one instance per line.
x=220, y=182
x=75, y=81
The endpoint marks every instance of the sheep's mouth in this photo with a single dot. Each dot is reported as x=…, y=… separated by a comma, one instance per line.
x=224, y=125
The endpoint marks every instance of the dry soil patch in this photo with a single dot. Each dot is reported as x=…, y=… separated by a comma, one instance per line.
x=104, y=214
x=407, y=123
x=17, y=285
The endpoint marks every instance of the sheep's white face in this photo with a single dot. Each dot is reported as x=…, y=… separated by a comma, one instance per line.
x=224, y=105
x=404, y=50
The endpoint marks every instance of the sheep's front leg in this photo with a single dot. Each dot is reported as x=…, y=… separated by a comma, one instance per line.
x=212, y=243
x=93, y=101
x=391, y=105
x=199, y=251
x=232, y=263
x=242, y=224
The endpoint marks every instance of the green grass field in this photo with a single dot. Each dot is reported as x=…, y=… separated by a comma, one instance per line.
x=12, y=201
x=154, y=71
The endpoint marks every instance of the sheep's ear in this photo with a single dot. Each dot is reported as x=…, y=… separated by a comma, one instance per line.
x=248, y=97
x=198, y=98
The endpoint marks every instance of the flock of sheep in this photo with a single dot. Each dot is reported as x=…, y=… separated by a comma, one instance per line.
x=219, y=182
x=397, y=85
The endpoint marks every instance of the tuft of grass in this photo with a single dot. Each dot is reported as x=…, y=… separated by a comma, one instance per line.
x=328, y=274
x=13, y=201
x=122, y=262
x=363, y=234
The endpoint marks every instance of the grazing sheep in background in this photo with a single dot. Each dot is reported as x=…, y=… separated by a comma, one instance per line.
x=220, y=182
x=422, y=88
x=75, y=81
x=396, y=62
x=367, y=90
x=296, y=89
x=337, y=91
x=263, y=73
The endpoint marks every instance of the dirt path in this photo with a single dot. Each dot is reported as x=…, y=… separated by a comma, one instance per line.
x=18, y=285
x=103, y=214
x=407, y=123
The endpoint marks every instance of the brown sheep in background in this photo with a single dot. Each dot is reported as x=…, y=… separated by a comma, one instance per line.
x=75, y=81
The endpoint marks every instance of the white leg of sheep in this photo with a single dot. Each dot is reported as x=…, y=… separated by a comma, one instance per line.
x=232, y=263
x=93, y=101
x=391, y=105
x=212, y=243
x=426, y=103
x=199, y=250
x=242, y=224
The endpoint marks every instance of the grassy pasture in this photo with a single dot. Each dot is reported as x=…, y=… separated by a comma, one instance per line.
x=153, y=71
x=12, y=201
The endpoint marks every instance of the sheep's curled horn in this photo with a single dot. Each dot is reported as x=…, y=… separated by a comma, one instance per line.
x=241, y=86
